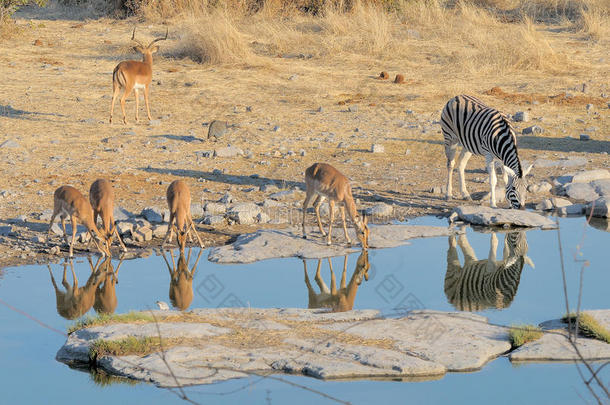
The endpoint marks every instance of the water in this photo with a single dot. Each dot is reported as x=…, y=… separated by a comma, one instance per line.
x=406, y=277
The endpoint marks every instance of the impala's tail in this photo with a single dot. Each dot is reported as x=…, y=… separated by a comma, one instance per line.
x=118, y=77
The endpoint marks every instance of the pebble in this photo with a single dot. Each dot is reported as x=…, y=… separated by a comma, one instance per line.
x=521, y=116
x=584, y=137
x=534, y=130
x=353, y=108
x=377, y=148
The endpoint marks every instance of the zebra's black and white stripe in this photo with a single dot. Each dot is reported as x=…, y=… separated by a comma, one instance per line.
x=482, y=130
x=482, y=284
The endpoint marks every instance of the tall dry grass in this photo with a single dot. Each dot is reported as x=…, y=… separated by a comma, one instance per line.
x=465, y=36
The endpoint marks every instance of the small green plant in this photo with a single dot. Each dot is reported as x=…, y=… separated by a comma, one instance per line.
x=130, y=345
x=103, y=319
x=521, y=334
x=589, y=327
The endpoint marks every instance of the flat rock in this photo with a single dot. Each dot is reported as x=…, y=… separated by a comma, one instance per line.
x=121, y=214
x=553, y=203
x=215, y=208
x=458, y=341
x=213, y=219
x=269, y=244
x=555, y=347
x=380, y=210
x=590, y=175
x=228, y=151
x=422, y=344
x=486, y=216
x=581, y=191
x=573, y=209
x=153, y=214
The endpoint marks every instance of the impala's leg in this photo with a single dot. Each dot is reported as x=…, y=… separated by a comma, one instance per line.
x=104, y=252
x=491, y=168
x=316, y=208
x=331, y=214
x=74, y=226
x=344, y=272
x=63, y=225
x=116, y=232
x=321, y=284
x=116, y=89
x=195, y=232
x=349, y=241
x=123, y=97
x=51, y=225
x=146, y=102
x=333, y=280
x=305, y=204
x=137, y=94
x=169, y=229
x=463, y=160
x=450, y=151
x=64, y=280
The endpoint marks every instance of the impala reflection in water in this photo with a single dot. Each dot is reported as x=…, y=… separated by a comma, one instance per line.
x=342, y=299
x=181, y=279
x=480, y=284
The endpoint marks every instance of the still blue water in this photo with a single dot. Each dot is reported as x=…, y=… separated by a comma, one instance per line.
x=410, y=276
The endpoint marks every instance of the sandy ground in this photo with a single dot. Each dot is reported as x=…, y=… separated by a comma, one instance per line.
x=56, y=99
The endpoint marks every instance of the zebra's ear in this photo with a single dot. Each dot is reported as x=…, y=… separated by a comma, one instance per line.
x=509, y=171
x=529, y=262
x=526, y=171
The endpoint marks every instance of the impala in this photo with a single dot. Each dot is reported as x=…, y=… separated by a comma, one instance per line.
x=180, y=220
x=134, y=75
x=325, y=181
x=101, y=197
x=69, y=202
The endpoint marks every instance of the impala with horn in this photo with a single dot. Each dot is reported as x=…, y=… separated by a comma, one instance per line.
x=134, y=75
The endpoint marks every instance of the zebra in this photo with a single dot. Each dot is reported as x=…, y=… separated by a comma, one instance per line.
x=482, y=130
x=482, y=284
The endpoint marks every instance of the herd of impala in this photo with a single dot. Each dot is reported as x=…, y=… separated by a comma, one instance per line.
x=322, y=180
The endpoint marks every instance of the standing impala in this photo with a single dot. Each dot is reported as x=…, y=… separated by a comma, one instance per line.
x=325, y=181
x=180, y=220
x=101, y=197
x=134, y=75
x=69, y=202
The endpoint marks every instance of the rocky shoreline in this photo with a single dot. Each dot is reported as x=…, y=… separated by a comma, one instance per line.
x=225, y=343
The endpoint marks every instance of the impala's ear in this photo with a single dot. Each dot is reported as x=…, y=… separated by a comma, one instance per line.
x=138, y=49
x=529, y=169
x=509, y=171
x=154, y=49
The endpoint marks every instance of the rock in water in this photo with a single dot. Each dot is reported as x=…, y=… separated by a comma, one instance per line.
x=481, y=215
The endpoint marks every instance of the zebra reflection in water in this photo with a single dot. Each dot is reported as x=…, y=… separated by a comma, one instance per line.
x=489, y=283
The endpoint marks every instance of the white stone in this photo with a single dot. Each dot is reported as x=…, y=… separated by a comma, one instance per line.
x=482, y=215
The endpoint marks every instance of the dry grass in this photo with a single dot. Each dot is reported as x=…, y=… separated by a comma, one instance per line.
x=467, y=38
x=104, y=319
